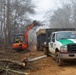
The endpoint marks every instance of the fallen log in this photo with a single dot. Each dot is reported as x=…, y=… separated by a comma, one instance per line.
x=36, y=58
x=12, y=61
x=14, y=71
x=33, y=59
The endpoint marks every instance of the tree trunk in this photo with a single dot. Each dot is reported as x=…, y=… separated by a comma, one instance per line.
x=4, y=28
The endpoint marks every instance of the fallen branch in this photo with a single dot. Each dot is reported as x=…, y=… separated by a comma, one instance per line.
x=14, y=71
x=12, y=61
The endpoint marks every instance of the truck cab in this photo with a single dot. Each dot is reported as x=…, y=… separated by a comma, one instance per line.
x=62, y=45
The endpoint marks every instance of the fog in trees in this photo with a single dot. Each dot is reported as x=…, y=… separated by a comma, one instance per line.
x=14, y=17
x=64, y=16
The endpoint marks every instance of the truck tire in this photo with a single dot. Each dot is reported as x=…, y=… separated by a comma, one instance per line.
x=58, y=59
x=41, y=48
x=45, y=51
x=37, y=47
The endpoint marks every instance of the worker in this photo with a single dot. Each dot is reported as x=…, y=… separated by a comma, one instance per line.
x=17, y=40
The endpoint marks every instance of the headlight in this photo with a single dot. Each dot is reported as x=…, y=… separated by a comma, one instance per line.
x=63, y=49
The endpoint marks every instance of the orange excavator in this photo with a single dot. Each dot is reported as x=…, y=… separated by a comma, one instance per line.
x=23, y=45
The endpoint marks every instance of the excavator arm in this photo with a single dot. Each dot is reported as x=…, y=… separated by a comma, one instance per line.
x=35, y=23
x=27, y=31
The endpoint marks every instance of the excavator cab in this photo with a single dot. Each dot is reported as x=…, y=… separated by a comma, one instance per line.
x=20, y=42
x=19, y=38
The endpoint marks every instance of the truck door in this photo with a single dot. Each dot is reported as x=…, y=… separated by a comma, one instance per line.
x=52, y=44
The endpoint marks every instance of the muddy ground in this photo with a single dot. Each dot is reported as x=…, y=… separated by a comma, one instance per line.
x=44, y=66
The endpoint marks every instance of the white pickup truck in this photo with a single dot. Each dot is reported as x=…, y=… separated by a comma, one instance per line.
x=62, y=46
x=60, y=43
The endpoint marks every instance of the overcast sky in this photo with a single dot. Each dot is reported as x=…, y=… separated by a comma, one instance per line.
x=43, y=6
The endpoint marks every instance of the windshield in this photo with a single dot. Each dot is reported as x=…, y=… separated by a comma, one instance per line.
x=20, y=37
x=65, y=35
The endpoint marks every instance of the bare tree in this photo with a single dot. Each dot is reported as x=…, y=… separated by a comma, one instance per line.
x=4, y=25
x=14, y=13
x=64, y=16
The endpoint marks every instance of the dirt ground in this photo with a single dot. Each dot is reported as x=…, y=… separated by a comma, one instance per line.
x=44, y=66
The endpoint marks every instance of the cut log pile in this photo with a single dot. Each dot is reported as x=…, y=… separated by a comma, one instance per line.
x=21, y=63
x=9, y=63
